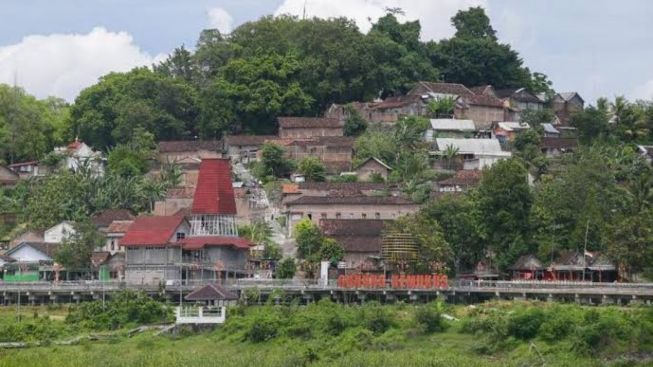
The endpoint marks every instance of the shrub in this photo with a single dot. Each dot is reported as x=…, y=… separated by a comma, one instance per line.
x=376, y=318
x=125, y=308
x=526, y=324
x=430, y=319
x=262, y=328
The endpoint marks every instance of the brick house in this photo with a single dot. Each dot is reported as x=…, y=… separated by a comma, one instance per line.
x=566, y=104
x=309, y=127
x=483, y=108
x=461, y=181
x=335, y=152
x=358, y=206
x=204, y=246
x=520, y=100
x=244, y=148
x=370, y=167
x=387, y=111
x=361, y=239
x=188, y=154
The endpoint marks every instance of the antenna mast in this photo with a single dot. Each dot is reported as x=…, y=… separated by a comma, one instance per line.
x=304, y=12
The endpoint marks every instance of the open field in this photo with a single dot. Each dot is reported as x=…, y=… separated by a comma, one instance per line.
x=324, y=334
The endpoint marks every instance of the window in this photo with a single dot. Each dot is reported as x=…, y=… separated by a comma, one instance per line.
x=310, y=216
x=323, y=215
x=113, y=245
x=337, y=215
x=377, y=215
x=364, y=216
x=181, y=236
x=351, y=215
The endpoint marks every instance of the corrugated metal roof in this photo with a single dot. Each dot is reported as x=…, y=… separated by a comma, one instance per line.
x=452, y=124
x=472, y=146
x=549, y=128
x=513, y=126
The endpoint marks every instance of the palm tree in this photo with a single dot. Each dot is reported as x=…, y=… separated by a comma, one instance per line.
x=450, y=153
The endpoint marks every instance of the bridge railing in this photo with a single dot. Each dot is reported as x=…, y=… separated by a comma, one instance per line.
x=543, y=284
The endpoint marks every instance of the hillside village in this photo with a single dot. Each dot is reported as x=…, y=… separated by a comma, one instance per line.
x=192, y=233
x=479, y=181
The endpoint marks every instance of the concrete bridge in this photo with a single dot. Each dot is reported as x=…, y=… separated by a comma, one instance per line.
x=310, y=290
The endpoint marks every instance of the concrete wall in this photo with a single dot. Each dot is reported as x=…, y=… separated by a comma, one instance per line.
x=58, y=233
x=483, y=116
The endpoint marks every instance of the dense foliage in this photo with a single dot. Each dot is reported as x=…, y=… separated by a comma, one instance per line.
x=127, y=308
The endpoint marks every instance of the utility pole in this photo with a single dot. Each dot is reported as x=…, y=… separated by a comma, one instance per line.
x=304, y=12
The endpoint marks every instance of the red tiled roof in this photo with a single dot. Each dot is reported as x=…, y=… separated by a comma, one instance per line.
x=151, y=231
x=395, y=102
x=309, y=122
x=75, y=145
x=214, y=193
x=290, y=188
x=241, y=140
x=484, y=100
x=350, y=200
x=446, y=88
x=119, y=226
x=192, y=243
x=105, y=217
x=189, y=145
x=463, y=178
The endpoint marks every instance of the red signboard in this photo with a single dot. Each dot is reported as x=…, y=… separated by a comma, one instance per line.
x=425, y=281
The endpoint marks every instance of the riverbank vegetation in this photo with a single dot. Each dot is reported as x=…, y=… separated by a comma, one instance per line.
x=329, y=334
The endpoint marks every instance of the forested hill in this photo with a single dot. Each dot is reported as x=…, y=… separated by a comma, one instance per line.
x=271, y=67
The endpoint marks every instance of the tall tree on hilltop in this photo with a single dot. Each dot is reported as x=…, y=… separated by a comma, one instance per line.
x=473, y=23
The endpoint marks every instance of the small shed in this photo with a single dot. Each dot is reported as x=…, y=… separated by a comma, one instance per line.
x=212, y=294
x=527, y=267
x=372, y=166
x=212, y=309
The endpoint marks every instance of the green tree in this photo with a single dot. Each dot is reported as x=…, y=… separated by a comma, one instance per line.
x=29, y=128
x=75, y=252
x=434, y=251
x=309, y=239
x=274, y=162
x=460, y=223
x=111, y=111
x=355, y=124
x=331, y=250
x=441, y=107
x=463, y=58
x=286, y=269
x=504, y=202
x=592, y=123
x=473, y=23
x=312, y=169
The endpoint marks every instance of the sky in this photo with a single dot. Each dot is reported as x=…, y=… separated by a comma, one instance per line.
x=596, y=47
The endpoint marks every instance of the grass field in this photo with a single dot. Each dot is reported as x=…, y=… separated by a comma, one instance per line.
x=304, y=336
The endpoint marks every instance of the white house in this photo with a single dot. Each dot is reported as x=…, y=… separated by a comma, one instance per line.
x=474, y=153
x=32, y=252
x=78, y=153
x=59, y=232
x=450, y=128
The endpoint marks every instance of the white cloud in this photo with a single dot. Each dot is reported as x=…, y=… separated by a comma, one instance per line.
x=644, y=91
x=63, y=64
x=220, y=19
x=434, y=15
